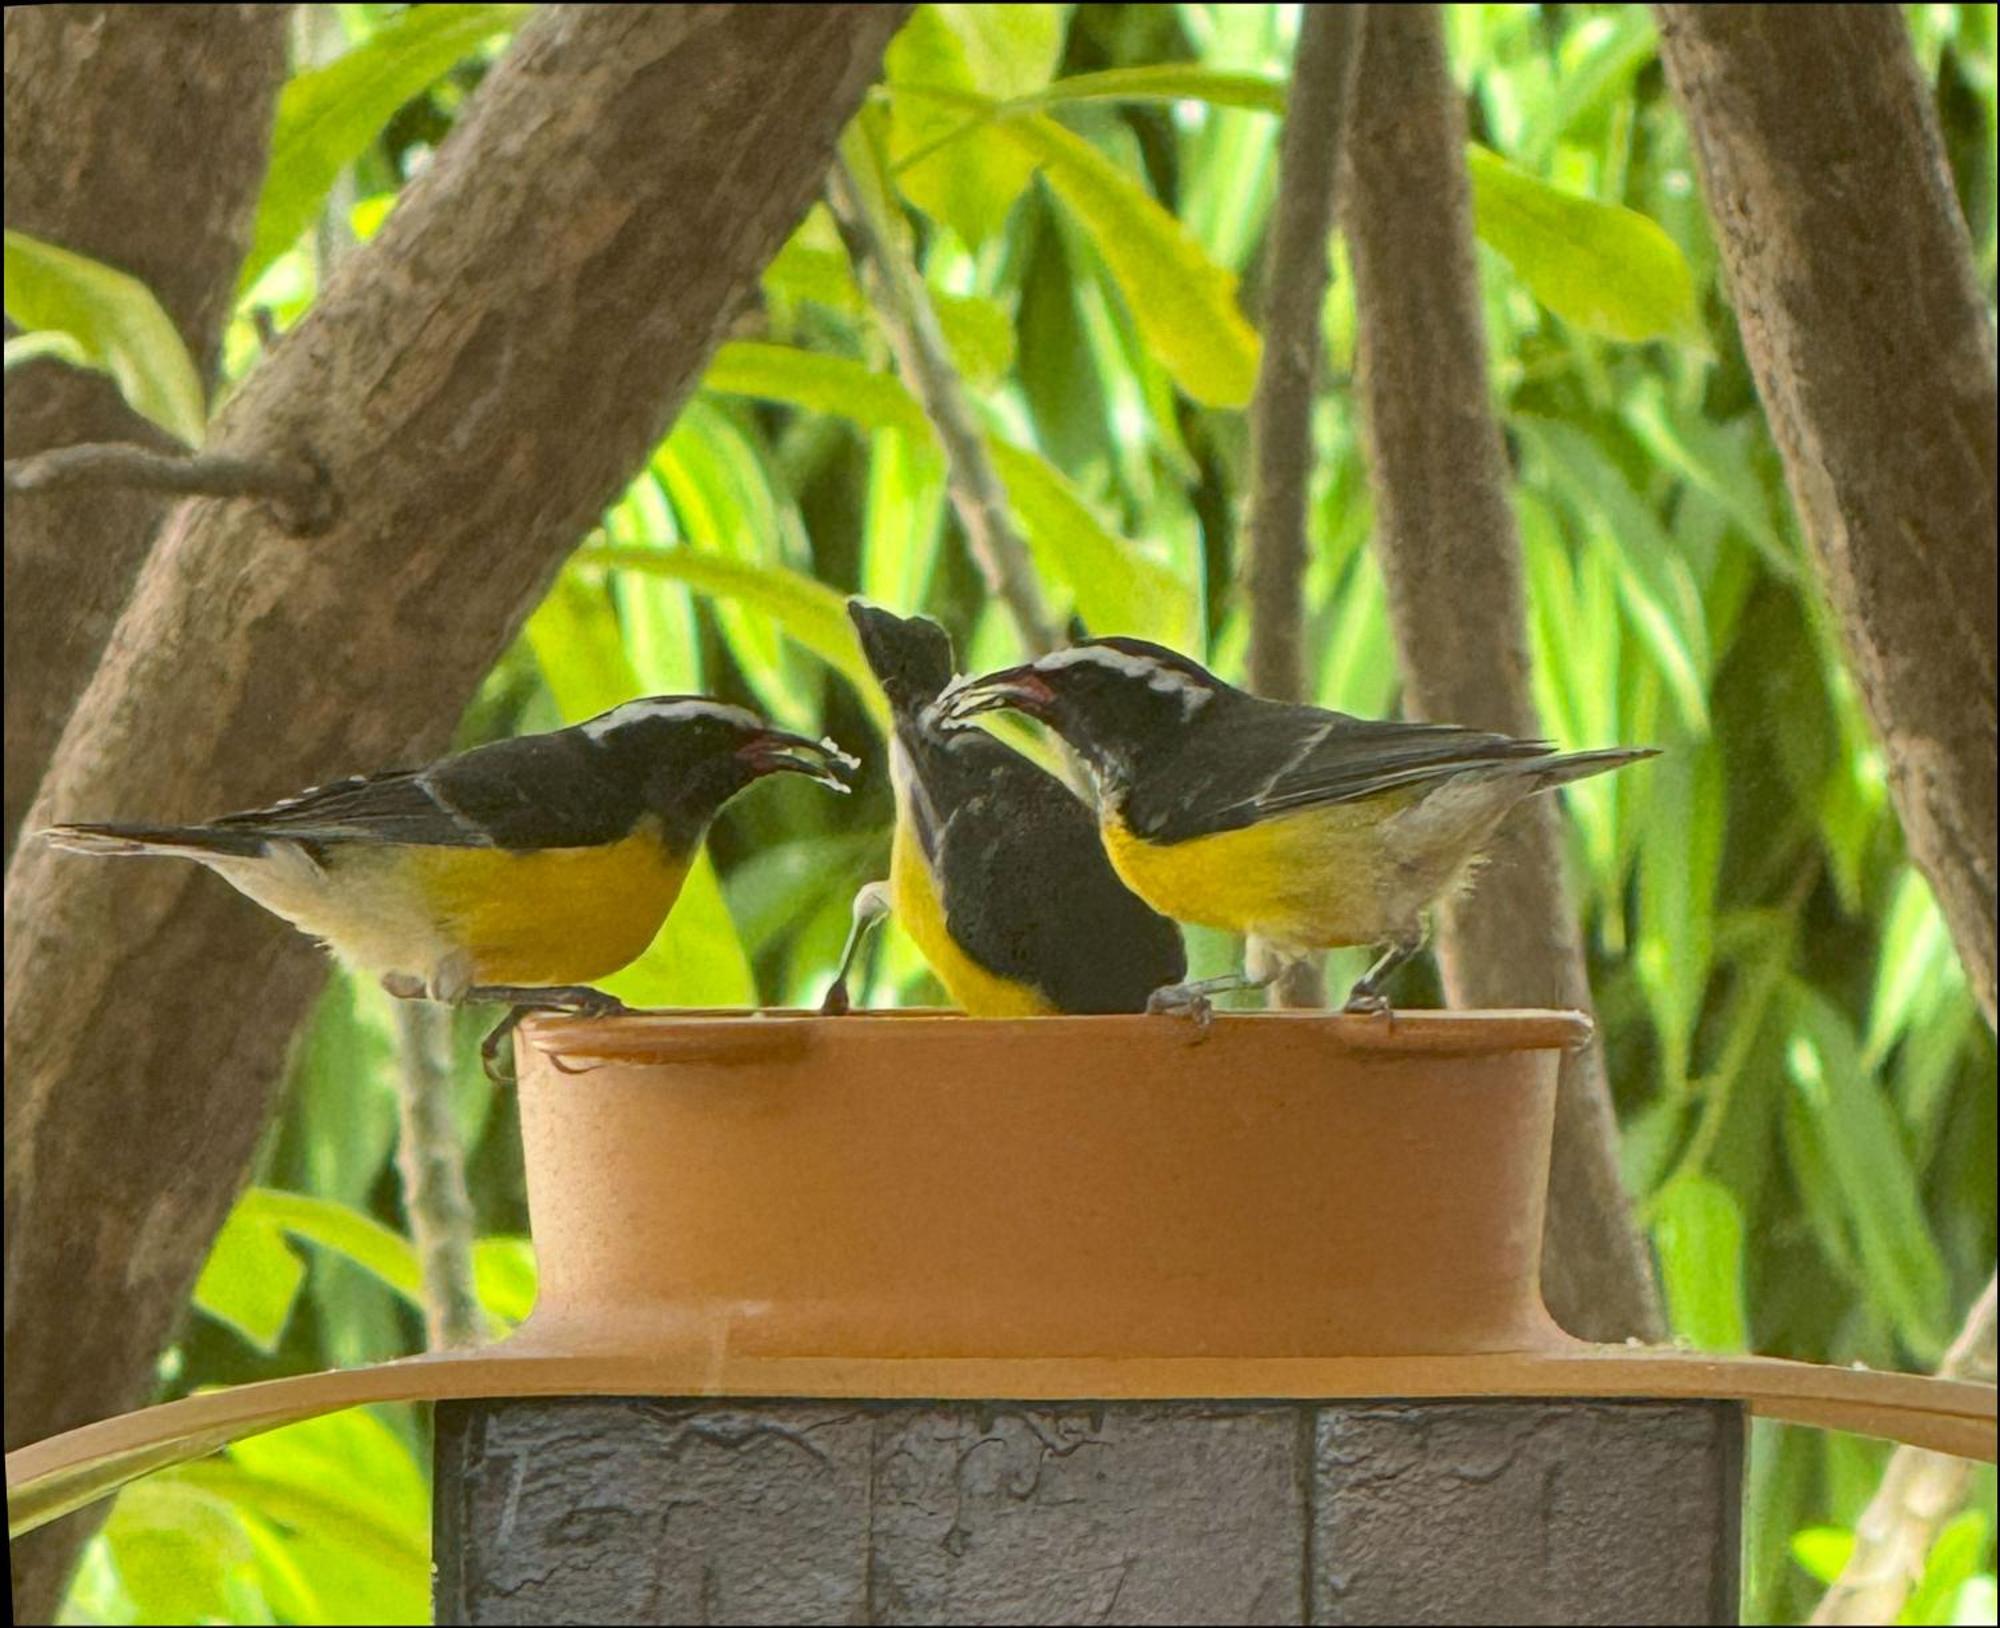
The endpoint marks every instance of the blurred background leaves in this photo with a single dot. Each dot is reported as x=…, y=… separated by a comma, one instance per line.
x=1805, y=1088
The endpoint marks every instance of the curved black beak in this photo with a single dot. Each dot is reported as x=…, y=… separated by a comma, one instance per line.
x=778, y=751
x=1020, y=688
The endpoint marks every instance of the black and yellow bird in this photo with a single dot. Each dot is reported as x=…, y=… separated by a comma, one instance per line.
x=518, y=872
x=995, y=866
x=1307, y=828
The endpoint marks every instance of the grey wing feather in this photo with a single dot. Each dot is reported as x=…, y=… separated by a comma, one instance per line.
x=397, y=807
x=1352, y=758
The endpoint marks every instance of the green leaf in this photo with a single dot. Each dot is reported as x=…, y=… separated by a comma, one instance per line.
x=904, y=518
x=175, y=1545
x=818, y=383
x=1916, y=970
x=328, y=116
x=978, y=333
x=1951, y=1564
x=1698, y=1228
x=251, y=1278
x=1678, y=868
x=991, y=52
x=503, y=1273
x=724, y=502
x=1117, y=589
x=1823, y=1551
x=1853, y=1123
x=361, y=1238
x=114, y=323
x=1183, y=302
x=1607, y=269
x=56, y=347
x=809, y=612
x=1162, y=82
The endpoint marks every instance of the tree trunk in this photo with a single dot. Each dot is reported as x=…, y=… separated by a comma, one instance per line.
x=1861, y=313
x=106, y=106
x=1453, y=566
x=477, y=381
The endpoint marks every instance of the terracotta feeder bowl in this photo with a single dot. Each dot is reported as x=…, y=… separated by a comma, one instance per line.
x=921, y=1205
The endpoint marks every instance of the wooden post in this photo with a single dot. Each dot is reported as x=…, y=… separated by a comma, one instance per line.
x=657, y=1510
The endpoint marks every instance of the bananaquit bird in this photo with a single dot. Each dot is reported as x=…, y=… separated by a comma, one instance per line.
x=515, y=872
x=995, y=867
x=1308, y=828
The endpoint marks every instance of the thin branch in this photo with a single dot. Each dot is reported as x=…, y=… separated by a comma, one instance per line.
x=904, y=308
x=297, y=489
x=1297, y=272
x=1920, y=1491
x=431, y=1160
x=1281, y=447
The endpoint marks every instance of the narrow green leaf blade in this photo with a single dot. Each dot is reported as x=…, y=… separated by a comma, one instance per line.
x=1698, y=1228
x=1183, y=302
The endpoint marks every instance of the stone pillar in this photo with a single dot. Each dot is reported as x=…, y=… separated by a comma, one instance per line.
x=662, y=1510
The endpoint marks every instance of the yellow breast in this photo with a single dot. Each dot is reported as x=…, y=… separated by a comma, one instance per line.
x=914, y=899
x=552, y=915
x=1306, y=881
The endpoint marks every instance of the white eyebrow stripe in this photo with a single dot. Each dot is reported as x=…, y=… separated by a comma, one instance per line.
x=686, y=706
x=1157, y=674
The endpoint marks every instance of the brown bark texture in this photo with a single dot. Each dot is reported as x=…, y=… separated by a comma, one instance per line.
x=478, y=381
x=1452, y=561
x=1281, y=446
x=136, y=135
x=1859, y=303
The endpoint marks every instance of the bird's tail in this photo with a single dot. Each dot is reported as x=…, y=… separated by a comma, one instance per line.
x=1559, y=771
x=910, y=656
x=187, y=841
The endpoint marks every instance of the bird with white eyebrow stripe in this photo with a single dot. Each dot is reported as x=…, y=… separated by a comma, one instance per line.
x=1308, y=828
x=518, y=872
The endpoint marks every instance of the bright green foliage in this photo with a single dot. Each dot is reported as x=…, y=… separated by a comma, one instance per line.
x=105, y=319
x=1804, y=1084
x=328, y=117
x=1609, y=271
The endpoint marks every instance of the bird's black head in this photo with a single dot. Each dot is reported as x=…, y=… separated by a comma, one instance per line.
x=910, y=655
x=689, y=754
x=1111, y=699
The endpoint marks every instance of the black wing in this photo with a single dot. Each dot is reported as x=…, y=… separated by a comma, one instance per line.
x=1028, y=892
x=539, y=791
x=1254, y=761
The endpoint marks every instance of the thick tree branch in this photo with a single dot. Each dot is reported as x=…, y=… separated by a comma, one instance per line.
x=903, y=307
x=104, y=106
x=431, y=1160
x=1453, y=566
x=1859, y=302
x=1281, y=446
x=1920, y=1491
x=300, y=493
x=479, y=379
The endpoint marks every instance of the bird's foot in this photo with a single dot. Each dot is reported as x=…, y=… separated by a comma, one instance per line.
x=575, y=1000
x=1365, y=1002
x=495, y=1053
x=1184, y=1001
x=837, y=1002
